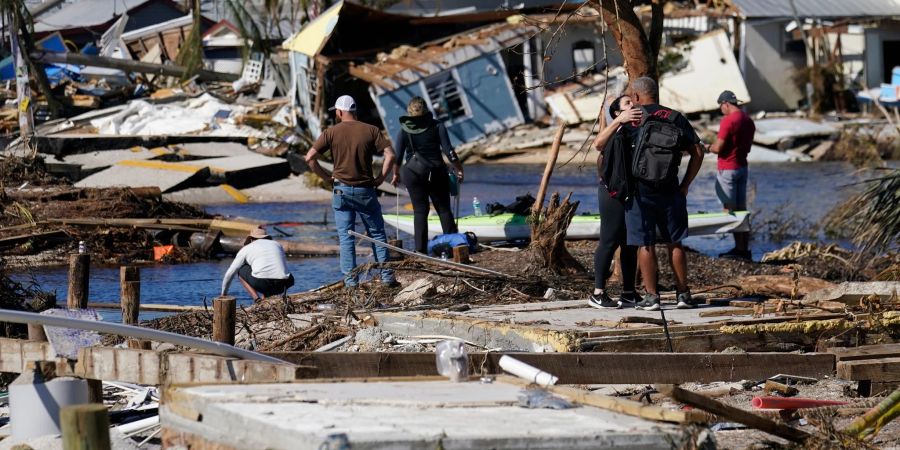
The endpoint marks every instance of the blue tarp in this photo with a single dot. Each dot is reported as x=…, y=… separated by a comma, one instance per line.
x=55, y=72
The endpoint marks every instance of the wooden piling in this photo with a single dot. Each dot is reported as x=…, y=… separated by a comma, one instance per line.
x=36, y=333
x=130, y=298
x=548, y=172
x=224, y=310
x=461, y=254
x=85, y=427
x=79, y=280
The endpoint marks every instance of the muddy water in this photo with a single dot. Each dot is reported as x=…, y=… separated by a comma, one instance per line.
x=795, y=194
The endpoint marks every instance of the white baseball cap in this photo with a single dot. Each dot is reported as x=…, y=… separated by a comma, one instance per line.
x=344, y=103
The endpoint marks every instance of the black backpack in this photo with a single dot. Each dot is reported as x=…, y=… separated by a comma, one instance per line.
x=657, y=148
x=614, y=166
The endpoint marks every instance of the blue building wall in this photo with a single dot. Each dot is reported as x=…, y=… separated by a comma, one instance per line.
x=486, y=91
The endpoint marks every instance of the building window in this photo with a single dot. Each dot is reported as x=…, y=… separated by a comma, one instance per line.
x=793, y=43
x=445, y=97
x=583, y=56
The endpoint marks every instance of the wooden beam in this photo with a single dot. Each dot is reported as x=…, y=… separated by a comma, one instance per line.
x=881, y=369
x=149, y=366
x=16, y=240
x=617, y=404
x=731, y=413
x=865, y=352
x=413, y=67
x=580, y=368
x=371, y=78
x=127, y=65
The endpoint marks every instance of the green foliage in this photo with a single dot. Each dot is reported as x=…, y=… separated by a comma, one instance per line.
x=873, y=218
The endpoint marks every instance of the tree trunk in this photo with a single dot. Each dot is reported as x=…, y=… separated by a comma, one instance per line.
x=625, y=26
x=656, y=32
x=28, y=46
x=548, y=234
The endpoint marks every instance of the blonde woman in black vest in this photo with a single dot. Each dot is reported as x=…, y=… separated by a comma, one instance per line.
x=421, y=144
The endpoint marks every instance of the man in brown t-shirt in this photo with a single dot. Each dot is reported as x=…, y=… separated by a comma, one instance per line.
x=352, y=144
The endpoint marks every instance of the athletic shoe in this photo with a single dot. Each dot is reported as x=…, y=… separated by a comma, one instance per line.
x=649, y=303
x=602, y=301
x=685, y=301
x=737, y=254
x=628, y=299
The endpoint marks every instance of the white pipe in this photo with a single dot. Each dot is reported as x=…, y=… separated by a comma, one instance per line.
x=216, y=348
x=137, y=425
x=530, y=373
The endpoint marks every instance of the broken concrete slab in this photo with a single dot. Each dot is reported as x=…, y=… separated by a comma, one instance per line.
x=781, y=130
x=167, y=176
x=77, y=166
x=70, y=142
x=853, y=291
x=212, y=149
x=244, y=171
x=290, y=189
x=415, y=415
x=554, y=326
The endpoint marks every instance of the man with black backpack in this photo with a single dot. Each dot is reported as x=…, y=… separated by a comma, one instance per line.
x=657, y=210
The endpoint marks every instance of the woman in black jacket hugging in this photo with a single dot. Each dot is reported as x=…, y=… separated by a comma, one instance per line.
x=419, y=145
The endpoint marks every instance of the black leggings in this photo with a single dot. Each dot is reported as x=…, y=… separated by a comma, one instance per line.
x=437, y=187
x=612, y=236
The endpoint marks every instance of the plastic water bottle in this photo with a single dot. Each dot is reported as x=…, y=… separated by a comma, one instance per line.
x=444, y=255
x=476, y=206
x=82, y=247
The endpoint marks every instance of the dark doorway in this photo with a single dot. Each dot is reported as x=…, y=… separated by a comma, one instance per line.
x=890, y=54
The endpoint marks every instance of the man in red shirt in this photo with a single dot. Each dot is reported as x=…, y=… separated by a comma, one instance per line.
x=732, y=145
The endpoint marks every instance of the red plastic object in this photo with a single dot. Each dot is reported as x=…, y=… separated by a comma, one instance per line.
x=161, y=251
x=791, y=403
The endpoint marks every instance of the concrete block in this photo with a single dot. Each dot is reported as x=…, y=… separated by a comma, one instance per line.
x=134, y=173
x=246, y=170
x=382, y=415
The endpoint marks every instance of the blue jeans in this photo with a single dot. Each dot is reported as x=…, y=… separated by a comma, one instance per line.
x=347, y=202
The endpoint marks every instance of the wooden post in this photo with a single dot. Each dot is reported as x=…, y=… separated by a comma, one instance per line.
x=79, y=280
x=36, y=333
x=394, y=255
x=548, y=171
x=731, y=413
x=224, y=310
x=461, y=254
x=85, y=427
x=130, y=298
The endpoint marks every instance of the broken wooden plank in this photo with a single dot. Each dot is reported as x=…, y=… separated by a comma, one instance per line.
x=579, y=368
x=617, y=404
x=865, y=352
x=731, y=413
x=880, y=369
x=154, y=307
x=781, y=285
x=15, y=354
x=148, y=366
x=21, y=239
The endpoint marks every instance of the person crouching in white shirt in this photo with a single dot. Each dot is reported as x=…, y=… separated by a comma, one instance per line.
x=261, y=266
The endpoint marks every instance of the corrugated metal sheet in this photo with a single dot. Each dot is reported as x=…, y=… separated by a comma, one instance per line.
x=818, y=8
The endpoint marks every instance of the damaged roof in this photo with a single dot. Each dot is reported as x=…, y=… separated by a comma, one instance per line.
x=406, y=64
x=96, y=13
x=434, y=8
x=818, y=8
